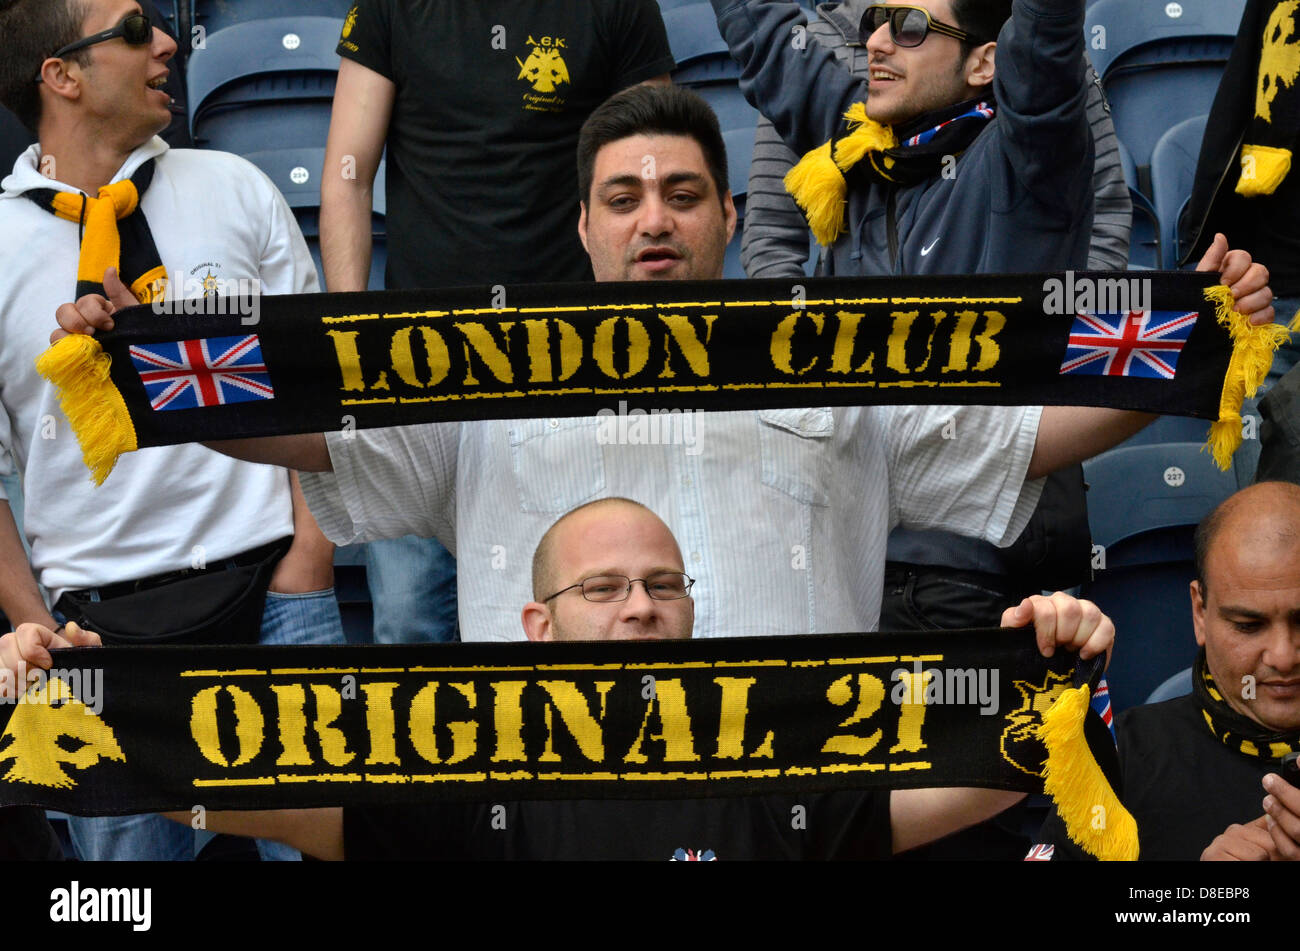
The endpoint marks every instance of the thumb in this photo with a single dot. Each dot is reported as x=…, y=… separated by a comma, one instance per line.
x=1018, y=615
x=118, y=293
x=78, y=637
x=1214, y=255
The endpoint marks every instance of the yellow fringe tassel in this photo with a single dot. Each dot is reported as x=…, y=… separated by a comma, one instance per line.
x=1252, y=355
x=1093, y=815
x=865, y=135
x=78, y=368
x=817, y=182
x=1263, y=168
x=818, y=187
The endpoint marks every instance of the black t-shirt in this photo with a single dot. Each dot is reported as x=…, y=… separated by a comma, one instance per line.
x=482, y=177
x=1181, y=784
x=837, y=825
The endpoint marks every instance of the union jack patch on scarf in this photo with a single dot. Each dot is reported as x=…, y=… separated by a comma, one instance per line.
x=188, y=374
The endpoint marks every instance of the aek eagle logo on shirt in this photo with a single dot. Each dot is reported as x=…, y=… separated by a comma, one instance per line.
x=349, y=22
x=47, y=715
x=545, y=68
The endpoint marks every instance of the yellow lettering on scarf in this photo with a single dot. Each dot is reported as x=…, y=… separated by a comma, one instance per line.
x=508, y=718
x=291, y=703
x=870, y=694
x=380, y=724
x=669, y=702
x=333, y=744
x=488, y=350
x=638, y=347
x=574, y=711
x=681, y=330
x=782, y=347
x=249, y=725
x=464, y=733
x=345, y=349
x=896, y=354
x=912, y=712
x=435, y=348
x=964, y=338
x=731, y=719
x=539, y=350
x=846, y=337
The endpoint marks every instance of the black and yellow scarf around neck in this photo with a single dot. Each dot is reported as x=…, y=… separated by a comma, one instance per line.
x=905, y=156
x=1235, y=730
x=113, y=233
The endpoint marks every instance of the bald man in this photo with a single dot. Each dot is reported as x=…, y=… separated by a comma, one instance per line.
x=1201, y=772
x=612, y=570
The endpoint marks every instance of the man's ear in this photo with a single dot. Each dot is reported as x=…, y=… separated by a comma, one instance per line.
x=582, y=225
x=729, y=212
x=537, y=621
x=980, y=65
x=59, y=80
x=1198, y=612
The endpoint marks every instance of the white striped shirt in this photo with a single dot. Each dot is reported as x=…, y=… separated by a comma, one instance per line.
x=781, y=515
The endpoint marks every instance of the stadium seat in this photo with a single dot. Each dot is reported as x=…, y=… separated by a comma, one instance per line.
x=297, y=172
x=214, y=15
x=1179, y=685
x=264, y=82
x=699, y=49
x=732, y=110
x=1144, y=238
x=1173, y=170
x=1144, y=503
x=1160, y=63
x=14, y=140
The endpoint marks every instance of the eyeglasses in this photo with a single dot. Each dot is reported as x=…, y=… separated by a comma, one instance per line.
x=908, y=26
x=604, y=589
x=135, y=28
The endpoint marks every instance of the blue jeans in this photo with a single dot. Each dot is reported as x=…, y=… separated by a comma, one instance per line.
x=413, y=590
x=311, y=618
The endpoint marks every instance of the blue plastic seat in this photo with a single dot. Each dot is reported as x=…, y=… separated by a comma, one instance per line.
x=1160, y=63
x=1173, y=171
x=699, y=49
x=1144, y=236
x=730, y=106
x=1144, y=503
x=296, y=173
x=1179, y=685
x=215, y=15
x=264, y=82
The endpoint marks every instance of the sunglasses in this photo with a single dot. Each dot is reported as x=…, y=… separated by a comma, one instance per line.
x=908, y=26
x=135, y=28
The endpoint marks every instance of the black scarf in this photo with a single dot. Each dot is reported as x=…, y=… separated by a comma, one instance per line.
x=911, y=154
x=114, y=233
x=1238, y=732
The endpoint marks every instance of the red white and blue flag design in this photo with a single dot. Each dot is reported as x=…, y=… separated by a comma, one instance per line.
x=1140, y=343
x=1041, y=853
x=188, y=374
x=1100, y=702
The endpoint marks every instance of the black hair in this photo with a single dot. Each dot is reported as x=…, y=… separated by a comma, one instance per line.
x=982, y=19
x=30, y=31
x=652, y=109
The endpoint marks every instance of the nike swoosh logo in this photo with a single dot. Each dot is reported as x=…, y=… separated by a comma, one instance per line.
x=925, y=251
